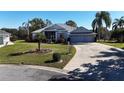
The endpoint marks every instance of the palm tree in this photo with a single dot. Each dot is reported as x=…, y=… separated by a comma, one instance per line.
x=71, y=23
x=118, y=23
x=25, y=26
x=95, y=25
x=40, y=37
x=101, y=18
x=37, y=23
x=48, y=22
x=32, y=25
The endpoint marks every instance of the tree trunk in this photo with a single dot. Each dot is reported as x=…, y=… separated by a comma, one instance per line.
x=99, y=34
x=39, y=46
x=96, y=35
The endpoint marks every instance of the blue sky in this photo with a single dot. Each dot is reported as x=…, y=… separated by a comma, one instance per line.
x=13, y=19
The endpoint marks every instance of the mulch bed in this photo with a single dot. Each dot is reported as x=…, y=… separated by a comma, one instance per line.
x=42, y=51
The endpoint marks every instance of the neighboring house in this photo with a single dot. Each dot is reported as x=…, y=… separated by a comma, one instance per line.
x=4, y=38
x=76, y=34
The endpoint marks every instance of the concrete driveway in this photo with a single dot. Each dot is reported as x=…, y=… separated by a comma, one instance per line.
x=93, y=53
x=28, y=73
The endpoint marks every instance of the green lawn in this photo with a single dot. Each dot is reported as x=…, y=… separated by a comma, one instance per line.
x=33, y=58
x=118, y=45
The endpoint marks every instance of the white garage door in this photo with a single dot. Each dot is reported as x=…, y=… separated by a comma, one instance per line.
x=82, y=38
x=1, y=40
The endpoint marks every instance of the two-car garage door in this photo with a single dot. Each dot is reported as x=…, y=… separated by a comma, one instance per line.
x=82, y=38
x=1, y=40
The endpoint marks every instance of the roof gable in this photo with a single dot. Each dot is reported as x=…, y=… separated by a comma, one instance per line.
x=81, y=30
x=66, y=27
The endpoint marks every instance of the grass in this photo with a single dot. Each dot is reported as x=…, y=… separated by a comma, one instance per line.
x=110, y=43
x=33, y=58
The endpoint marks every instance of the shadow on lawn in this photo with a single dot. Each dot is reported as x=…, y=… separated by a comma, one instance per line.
x=104, y=70
x=50, y=61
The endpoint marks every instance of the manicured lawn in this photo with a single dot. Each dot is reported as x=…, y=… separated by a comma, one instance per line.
x=34, y=58
x=118, y=45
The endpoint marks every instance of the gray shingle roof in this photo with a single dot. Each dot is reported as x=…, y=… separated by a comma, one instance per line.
x=56, y=27
x=81, y=30
x=68, y=28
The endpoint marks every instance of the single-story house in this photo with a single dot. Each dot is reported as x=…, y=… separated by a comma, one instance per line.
x=54, y=32
x=4, y=38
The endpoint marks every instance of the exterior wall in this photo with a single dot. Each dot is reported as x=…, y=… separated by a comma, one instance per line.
x=6, y=39
x=33, y=36
x=1, y=40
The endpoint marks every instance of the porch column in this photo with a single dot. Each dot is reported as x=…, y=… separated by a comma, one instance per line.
x=56, y=36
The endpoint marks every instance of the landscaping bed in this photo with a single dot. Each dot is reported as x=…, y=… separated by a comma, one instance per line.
x=35, y=58
x=42, y=51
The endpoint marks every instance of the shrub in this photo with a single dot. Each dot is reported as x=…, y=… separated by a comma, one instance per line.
x=28, y=39
x=56, y=56
x=13, y=38
x=118, y=35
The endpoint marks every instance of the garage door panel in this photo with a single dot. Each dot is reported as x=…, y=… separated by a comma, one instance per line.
x=78, y=39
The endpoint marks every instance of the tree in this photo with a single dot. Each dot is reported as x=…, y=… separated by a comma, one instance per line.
x=48, y=22
x=71, y=23
x=32, y=25
x=118, y=23
x=95, y=25
x=118, y=35
x=22, y=33
x=25, y=27
x=36, y=23
x=118, y=29
x=101, y=18
x=40, y=37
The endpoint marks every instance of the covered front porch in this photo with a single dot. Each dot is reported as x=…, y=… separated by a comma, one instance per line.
x=55, y=36
x=51, y=35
